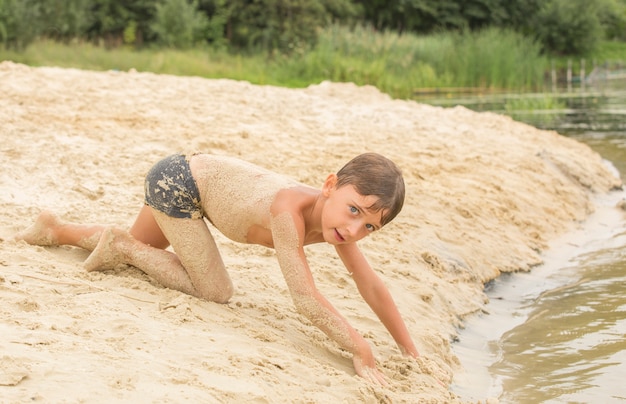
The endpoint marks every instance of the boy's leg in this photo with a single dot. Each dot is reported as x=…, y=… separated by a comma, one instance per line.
x=196, y=268
x=195, y=247
x=147, y=230
x=49, y=230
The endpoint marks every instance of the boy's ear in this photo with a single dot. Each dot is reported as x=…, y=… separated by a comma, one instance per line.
x=329, y=184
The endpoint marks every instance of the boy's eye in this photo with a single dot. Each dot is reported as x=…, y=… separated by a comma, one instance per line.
x=370, y=227
x=353, y=209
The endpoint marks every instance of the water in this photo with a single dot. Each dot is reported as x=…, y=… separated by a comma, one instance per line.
x=572, y=347
x=558, y=333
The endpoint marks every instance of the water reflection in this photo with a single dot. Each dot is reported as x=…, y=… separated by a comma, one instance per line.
x=568, y=343
x=598, y=108
x=610, y=145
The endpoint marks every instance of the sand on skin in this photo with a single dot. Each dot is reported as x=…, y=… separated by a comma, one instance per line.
x=485, y=195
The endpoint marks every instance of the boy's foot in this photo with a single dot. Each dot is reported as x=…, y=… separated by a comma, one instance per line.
x=107, y=254
x=42, y=232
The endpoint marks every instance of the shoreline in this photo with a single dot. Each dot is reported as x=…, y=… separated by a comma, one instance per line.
x=511, y=298
x=485, y=196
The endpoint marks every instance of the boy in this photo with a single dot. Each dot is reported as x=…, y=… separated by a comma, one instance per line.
x=249, y=204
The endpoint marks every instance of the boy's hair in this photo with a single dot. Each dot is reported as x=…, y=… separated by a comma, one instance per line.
x=373, y=174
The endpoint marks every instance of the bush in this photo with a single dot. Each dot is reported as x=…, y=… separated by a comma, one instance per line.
x=18, y=23
x=179, y=24
x=569, y=27
x=65, y=19
x=289, y=26
x=612, y=14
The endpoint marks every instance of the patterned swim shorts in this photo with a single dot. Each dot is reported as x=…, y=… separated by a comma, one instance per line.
x=170, y=188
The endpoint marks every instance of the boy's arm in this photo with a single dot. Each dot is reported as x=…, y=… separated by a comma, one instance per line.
x=377, y=296
x=310, y=303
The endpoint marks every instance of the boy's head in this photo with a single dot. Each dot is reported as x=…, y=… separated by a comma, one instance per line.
x=373, y=174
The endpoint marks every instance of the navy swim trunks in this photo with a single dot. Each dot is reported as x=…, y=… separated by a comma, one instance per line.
x=170, y=188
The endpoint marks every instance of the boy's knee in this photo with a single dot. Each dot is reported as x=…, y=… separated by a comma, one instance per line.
x=227, y=290
x=224, y=295
x=220, y=293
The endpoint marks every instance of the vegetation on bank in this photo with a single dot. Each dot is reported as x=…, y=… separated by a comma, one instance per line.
x=431, y=44
x=570, y=27
x=397, y=64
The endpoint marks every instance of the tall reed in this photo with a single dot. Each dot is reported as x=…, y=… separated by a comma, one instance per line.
x=397, y=64
x=400, y=64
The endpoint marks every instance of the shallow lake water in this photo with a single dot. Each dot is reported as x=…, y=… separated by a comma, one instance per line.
x=558, y=333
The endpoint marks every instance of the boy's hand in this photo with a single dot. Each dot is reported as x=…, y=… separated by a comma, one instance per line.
x=369, y=371
x=409, y=352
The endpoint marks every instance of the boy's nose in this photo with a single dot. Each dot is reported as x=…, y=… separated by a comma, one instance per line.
x=354, y=228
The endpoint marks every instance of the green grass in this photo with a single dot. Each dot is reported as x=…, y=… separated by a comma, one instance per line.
x=397, y=64
x=197, y=62
x=400, y=64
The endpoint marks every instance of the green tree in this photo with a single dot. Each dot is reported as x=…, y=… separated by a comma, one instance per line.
x=522, y=14
x=179, y=24
x=484, y=13
x=612, y=15
x=65, y=19
x=286, y=25
x=111, y=20
x=217, y=13
x=406, y=15
x=426, y=16
x=18, y=22
x=341, y=11
x=4, y=33
x=569, y=27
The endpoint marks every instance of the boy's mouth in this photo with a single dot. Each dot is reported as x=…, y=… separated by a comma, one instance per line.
x=339, y=237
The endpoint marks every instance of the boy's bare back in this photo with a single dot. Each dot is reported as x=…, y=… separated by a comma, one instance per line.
x=236, y=195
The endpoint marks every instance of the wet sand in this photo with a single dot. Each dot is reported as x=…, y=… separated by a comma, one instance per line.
x=513, y=298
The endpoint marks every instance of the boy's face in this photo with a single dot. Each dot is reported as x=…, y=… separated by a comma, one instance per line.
x=345, y=218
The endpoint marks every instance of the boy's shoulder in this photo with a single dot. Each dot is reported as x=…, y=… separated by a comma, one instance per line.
x=295, y=197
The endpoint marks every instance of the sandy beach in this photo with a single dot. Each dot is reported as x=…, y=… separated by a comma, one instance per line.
x=485, y=195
